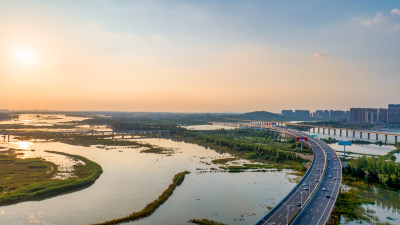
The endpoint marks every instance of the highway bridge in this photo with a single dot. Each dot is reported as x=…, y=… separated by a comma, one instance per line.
x=311, y=201
x=341, y=132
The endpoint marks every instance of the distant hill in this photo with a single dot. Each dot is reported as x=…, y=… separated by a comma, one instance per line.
x=259, y=115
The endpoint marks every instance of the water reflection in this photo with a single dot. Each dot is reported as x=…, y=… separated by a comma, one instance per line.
x=23, y=145
x=132, y=179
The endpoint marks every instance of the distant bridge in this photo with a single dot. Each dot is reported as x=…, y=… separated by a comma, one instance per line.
x=123, y=134
x=322, y=129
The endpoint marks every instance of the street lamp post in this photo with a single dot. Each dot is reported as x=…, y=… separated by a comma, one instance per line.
x=301, y=197
x=288, y=213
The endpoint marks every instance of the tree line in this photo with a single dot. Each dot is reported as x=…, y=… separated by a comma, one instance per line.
x=269, y=152
x=376, y=170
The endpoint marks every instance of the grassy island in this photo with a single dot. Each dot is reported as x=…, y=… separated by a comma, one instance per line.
x=31, y=178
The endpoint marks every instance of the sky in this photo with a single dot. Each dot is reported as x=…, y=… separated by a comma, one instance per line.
x=199, y=56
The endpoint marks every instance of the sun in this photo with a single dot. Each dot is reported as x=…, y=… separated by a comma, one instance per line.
x=25, y=56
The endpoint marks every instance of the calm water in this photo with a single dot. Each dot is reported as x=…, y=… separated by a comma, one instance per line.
x=132, y=179
x=42, y=119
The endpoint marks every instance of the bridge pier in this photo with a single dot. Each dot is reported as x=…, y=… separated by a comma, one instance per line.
x=377, y=137
x=360, y=134
x=323, y=130
x=386, y=137
x=347, y=133
x=340, y=133
x=123, y=135
x=313, y=129
x=329, y=130
x=369, y=136
x=395, y=139
x=334, y=132
x=354, y=133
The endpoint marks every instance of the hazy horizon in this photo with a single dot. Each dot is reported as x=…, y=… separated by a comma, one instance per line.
x=198, y=56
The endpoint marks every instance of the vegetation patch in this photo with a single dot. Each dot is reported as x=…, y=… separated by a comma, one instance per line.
x=30, y=179
x=349, y=205
x=262, y=144
x=152, y=206
x=223, y=160
x=375, y=170
x=158, y=150
x=206, y=222
x=329, y=140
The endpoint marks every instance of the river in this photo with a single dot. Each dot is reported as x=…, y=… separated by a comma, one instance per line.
x=132, y=179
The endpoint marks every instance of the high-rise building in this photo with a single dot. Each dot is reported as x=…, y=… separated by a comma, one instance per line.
x=393, y=115
x=368, y=115
x=321, y=114
x=337, y=115
x=302, y=114
x=287, y=113
x=348, y=115
x=382, y=115
x=394, y=106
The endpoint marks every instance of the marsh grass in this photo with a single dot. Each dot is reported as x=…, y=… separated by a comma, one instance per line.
x=206, y=222
x=223, y=160
x=30, y=179
x=152, y=206
x=158, y=150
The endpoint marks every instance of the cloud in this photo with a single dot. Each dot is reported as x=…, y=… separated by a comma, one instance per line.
x=369, y=22
x=395, y=12
x=318, y=55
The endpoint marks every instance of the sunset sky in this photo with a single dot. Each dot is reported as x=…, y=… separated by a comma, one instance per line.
x=199, y=56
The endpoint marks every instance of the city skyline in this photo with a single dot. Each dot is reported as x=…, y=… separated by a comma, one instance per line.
x=208, y=56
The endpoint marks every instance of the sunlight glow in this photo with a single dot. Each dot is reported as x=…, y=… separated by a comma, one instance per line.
x=25, y=56
x=23, y=145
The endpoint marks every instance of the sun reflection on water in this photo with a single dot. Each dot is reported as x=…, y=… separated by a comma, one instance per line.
x=24, y=145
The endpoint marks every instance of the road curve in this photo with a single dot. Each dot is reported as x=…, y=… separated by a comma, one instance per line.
x=307, y=202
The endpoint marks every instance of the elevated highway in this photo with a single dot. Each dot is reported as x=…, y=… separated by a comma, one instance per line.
x=312, y=200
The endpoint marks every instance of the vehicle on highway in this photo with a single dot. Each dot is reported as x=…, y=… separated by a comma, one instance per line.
x=298, y=204
x=330, y=176
x=306, y=188
x=323, y=189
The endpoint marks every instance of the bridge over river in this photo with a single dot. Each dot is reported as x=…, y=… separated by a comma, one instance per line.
x=108, y=133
